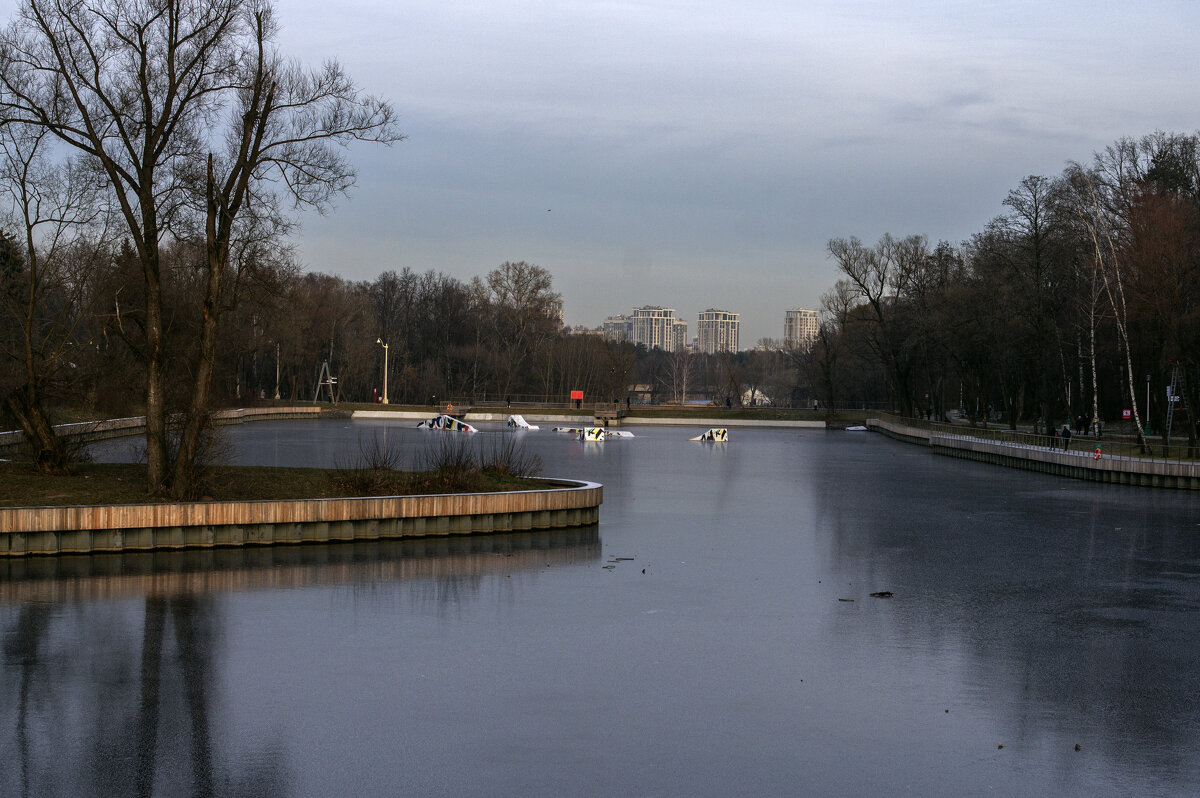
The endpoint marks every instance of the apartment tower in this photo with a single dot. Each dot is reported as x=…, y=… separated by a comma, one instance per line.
x=799, y=327
x=717, y=331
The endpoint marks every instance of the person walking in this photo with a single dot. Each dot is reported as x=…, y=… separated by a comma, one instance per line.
x=1066, y=436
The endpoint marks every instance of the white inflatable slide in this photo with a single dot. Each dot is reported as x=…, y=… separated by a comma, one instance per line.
x=583, y=433
x=518, y=422
x=447, y=423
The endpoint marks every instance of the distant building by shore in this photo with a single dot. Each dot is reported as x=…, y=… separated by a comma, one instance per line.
x=800, y=327
x=717, y=331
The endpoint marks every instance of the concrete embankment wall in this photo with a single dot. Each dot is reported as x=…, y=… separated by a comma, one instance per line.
x=90, y=431
x=1076, y=464
x=144, y=527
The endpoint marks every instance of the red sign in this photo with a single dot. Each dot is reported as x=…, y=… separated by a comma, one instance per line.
x=576, y=394
x=1126, y=414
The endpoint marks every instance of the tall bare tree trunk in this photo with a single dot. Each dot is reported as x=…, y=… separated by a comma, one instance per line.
x=157, y=455
x=46, y=449
x=1114, y=288
x=217, y=232
x=1092, y=357
x=197, y=417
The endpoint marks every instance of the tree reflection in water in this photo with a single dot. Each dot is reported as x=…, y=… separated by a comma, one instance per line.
x=110, y=661
x=22, y=645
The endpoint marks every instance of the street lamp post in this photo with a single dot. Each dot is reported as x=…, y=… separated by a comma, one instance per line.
x=1147, y=425
x=385, y=364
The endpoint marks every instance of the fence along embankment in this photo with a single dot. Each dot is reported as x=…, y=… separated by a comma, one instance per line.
x=1081, y=462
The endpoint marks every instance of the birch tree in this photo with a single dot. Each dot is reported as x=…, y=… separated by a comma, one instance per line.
x=1107, y=264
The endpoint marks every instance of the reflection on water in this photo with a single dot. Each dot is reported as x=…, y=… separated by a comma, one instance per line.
x=714, y=636
x=173, y=573
x=96, y=710
x=1067, y=609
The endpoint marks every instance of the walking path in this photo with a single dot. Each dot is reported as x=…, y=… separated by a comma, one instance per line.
x=1076, y=463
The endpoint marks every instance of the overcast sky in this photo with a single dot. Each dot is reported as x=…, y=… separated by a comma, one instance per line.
x=701, y=154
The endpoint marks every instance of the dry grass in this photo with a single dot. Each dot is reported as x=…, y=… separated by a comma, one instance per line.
x=117, y=483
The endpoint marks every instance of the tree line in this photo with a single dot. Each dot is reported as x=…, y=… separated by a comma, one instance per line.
x=493, y=337
x=1067, y=305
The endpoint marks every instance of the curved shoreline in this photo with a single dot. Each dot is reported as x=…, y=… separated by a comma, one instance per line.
x=87, y=529
x=1076, y=464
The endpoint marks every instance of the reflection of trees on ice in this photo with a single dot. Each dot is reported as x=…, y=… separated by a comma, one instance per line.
x=78, y=664
x=135, y=654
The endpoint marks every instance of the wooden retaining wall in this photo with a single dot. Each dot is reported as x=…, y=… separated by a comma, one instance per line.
x=1076, y=464
x=146, y=527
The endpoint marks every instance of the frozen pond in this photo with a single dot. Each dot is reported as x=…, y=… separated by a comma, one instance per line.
x=714, y=635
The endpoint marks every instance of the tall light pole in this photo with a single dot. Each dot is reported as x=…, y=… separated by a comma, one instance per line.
x=385, y=360
x=1147, y=403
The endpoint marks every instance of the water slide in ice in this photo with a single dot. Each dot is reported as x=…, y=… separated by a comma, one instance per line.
x=447, y=423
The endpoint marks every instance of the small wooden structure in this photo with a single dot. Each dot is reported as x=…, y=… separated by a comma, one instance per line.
x=606, y=412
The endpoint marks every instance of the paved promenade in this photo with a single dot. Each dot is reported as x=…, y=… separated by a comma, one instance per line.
x=1081, y=463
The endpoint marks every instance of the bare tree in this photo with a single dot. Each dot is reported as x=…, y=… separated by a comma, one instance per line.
x=184, y=105
x=881, y=276
x=836, y=306
x=680, y=365
x=1034, y=232
x=57, y=209
x=1089, y=205
x=524, y=306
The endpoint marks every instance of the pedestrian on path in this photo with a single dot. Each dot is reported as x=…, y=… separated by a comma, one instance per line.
x=1066, y=436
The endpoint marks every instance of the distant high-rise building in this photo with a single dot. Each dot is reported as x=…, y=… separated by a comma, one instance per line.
x=618, y=328
x=800, y=327
x=717, y=331
x=656, y=327
x=679, y=335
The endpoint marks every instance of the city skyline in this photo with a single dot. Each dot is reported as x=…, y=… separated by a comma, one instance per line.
x=717, y=329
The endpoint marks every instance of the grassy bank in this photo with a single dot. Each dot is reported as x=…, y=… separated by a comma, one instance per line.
x=120, y=483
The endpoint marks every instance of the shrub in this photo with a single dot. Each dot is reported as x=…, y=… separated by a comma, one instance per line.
x=450, y=460
x=372, y=471
x=504, y=454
